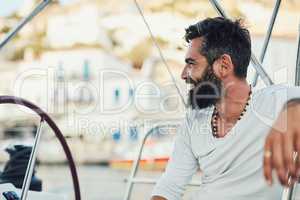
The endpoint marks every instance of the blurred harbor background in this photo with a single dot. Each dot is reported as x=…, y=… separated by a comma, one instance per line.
x=92, y=66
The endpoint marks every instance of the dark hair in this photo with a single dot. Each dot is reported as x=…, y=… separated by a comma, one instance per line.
x=223, y=36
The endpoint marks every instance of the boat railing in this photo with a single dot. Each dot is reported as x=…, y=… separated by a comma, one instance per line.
x=133, y=179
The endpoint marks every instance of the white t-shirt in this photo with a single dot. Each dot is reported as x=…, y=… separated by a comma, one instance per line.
x=232, y=166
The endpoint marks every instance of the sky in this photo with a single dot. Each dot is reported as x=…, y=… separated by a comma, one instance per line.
x=9, y=6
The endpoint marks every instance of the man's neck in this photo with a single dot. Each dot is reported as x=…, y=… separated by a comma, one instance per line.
x=236, y=94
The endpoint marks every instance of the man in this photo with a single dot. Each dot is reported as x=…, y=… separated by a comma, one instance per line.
x=228, y=124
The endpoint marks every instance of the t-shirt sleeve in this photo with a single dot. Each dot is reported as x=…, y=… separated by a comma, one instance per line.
x=293, y=93
x=180, y=169
x=271, y=101
x=287, y=93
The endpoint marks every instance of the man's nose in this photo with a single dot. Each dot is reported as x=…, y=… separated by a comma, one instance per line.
x=184, y=74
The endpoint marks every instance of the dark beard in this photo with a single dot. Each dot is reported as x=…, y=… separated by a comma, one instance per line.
x=206, y=92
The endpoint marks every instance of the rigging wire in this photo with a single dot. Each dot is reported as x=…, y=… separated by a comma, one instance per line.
x=159, y=51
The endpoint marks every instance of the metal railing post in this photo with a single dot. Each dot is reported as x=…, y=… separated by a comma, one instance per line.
x=135, y=167
x=132, y=177
x=136, y=163
x=267, y=38
x=13, y=32
x=31, y=163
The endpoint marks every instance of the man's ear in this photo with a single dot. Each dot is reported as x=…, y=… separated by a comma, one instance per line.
x=223, y=66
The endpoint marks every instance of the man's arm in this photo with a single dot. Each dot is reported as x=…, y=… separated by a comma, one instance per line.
x=281, y=143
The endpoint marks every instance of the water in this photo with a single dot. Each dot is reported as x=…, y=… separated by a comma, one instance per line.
x=97, y=182
x=101, y=183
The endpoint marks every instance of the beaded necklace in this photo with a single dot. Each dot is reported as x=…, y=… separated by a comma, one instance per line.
x=215, y=115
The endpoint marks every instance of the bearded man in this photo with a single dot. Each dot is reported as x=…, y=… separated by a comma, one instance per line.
x=234, y=135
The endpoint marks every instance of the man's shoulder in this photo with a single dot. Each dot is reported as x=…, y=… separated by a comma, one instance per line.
x=272, y=88
x=278, y=89
x=272, y=98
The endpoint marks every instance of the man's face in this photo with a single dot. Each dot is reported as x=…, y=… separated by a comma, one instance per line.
x=207, y=87
x=196, y=64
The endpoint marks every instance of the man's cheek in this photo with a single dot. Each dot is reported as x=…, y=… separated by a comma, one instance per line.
x=199, y=74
